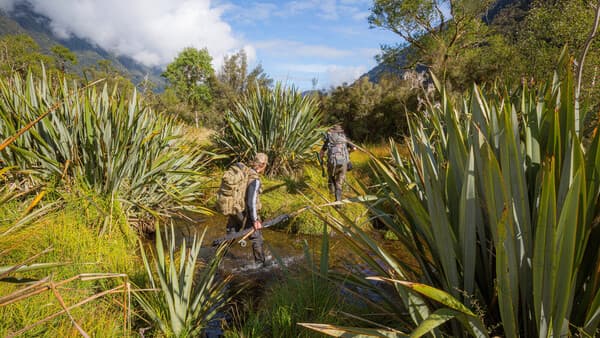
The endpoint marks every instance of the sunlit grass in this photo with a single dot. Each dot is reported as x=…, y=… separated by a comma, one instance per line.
x=72, y=234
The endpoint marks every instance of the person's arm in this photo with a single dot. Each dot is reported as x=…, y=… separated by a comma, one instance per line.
x=251, y=202
x=324, y=147
x=350, y=145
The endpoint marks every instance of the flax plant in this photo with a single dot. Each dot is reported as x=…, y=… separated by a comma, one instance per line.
x=280, y=122
x=188, y=294
x=105, y=139
x=498, y=205
x=11, y=191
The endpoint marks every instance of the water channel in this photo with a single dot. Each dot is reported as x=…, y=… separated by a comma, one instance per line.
x=282, y=247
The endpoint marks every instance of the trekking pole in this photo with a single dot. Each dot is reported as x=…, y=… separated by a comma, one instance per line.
x=276, y=220
x=248, y=232
x=321, y=163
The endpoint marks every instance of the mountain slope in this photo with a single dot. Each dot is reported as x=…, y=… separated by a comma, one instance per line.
x=22, y=20
x=496, y=10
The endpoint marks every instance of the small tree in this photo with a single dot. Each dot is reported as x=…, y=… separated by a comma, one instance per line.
x=63, y=56
x=190, y=75
x=19, y=53
x=436, y=34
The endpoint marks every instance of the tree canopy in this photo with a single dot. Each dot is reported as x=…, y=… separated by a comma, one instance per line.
x=189, y=75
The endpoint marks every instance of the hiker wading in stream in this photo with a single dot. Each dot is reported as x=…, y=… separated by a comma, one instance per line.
x=338, y=147
x=249, y=217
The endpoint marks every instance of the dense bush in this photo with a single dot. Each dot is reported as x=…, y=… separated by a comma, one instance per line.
x=279, y=122
x=105, y=140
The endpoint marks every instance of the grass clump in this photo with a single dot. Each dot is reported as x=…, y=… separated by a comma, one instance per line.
x=190, y=294
x=309, y=189
x=298, y=298
x=71, y=234
x=280, y=122
x=305, y=294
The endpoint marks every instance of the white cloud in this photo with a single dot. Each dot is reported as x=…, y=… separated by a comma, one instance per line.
x=298, y=49
x=338, y=75
x=150, y=31
x=7, y=5
x=326, y=9
x=254, y=13
x=328, y=74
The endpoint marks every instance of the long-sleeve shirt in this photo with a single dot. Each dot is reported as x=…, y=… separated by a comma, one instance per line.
x=252, y=193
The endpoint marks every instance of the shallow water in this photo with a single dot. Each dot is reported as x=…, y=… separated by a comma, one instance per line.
x=279, y=246
x=287, y=247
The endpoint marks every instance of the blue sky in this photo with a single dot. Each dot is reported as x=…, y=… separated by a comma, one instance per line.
x=295, y=41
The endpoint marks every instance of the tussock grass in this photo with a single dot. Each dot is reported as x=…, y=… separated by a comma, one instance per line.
x=72, y=233
x=296, y=299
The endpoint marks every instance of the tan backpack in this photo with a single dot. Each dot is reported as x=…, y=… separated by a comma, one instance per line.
x=231, y=196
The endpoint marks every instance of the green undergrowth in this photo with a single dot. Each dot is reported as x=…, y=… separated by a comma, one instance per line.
x=309, y=188
x=288, y=194
x=298, y=295
x=299, y=298
x=72, y=234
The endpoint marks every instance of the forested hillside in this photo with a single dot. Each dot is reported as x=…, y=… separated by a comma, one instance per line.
x=505, y=41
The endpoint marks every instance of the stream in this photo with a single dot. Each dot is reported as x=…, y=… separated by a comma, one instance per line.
x=279, y=246
x=288, y=247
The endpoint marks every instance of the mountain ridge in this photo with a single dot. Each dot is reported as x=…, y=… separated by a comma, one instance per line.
x=23, y=20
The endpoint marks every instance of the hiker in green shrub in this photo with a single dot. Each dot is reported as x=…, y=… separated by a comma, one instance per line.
x=238, y=198
x=338, y=147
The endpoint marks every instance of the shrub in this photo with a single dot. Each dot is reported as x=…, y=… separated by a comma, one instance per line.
x=119, y=148
x=279, y=122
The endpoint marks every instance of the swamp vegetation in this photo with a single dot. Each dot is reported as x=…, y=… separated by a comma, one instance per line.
x=493, y=194
x=482, y=221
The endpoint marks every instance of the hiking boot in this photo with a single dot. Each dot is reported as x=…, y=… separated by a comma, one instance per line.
x=338, y=195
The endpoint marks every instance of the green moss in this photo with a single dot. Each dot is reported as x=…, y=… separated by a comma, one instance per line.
x=390, y=236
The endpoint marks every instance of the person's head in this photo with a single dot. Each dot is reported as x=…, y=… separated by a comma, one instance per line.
x=260, y=162
x=337, y=128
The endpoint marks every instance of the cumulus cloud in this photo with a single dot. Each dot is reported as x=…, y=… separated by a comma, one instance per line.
x=338, y=75
x=151, y=32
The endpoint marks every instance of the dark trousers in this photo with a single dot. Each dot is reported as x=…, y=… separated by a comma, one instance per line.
x=337, y=175
x=239, y=222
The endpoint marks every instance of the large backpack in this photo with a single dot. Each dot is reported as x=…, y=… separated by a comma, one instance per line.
x=337, y=150
x=231, y=196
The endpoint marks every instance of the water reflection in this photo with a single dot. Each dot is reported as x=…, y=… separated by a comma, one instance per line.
x=287, y=247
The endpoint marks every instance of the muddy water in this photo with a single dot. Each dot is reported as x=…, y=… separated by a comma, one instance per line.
x=278, y=245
